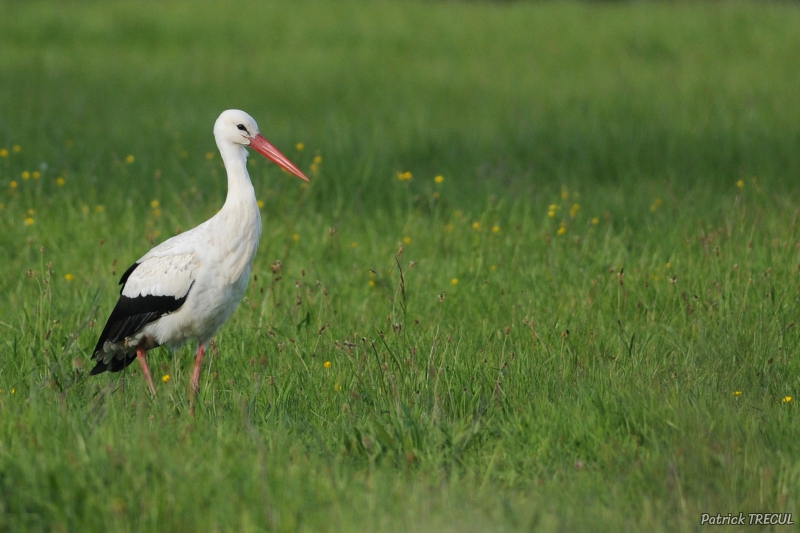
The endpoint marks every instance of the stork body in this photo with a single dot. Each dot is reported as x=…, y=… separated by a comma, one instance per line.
x=188, y=286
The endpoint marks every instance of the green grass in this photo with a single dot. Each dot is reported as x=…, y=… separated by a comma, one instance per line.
x=581, y=373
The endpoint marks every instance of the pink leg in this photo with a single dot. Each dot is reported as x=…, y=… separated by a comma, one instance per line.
x=198, y=366
x=140, y=356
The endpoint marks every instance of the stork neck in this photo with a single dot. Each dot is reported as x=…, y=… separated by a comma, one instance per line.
x=240, y=188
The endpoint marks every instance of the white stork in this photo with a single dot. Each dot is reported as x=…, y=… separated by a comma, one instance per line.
x=189, y=285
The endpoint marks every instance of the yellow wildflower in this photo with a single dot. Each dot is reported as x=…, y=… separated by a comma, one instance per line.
x=658, y=202
x=787, y=399
x=564, y=193
x=354, y=245
x=260, y=204
x=740, y=184
x=326, y=364
x=60, y=182
x=29, y=221
x=737, y=393
x=17, y=148
x=69, y=277
x=337, y=387
x=439, y=179
x=165, y=378
x=404, y=176
x=31, y=212
x=13, y=184
x=476, y=226
x=36, y=175
x=26, y=175
x=295, y=237
x=371, y=283
x=406, y=240
x=563, y=229
x=154, y=204
x=99, y=208
x=299, y=146
x=573, y=212
x=209, y=155
x=495, y=229
x=3, y=152
x=317, y=159
x=493, y=268
x=595, y=221
x=130, y=159
x=454, y=281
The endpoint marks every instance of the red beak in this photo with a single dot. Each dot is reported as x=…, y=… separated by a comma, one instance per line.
x=260, y=144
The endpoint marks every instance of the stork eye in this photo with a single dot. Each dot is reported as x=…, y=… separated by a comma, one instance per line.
x=241, y=127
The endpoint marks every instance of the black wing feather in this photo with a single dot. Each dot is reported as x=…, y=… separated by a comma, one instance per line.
x=124, y=279
x=129, y=316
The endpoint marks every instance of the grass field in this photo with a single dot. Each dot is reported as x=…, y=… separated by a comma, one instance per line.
x=589, y=323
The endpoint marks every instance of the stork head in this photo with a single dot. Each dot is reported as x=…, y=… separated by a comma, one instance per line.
x=237, y=127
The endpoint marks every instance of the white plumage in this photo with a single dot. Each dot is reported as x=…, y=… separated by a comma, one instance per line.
x=188, y=286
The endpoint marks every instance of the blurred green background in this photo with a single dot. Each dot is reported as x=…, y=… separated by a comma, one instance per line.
x=502, y=96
